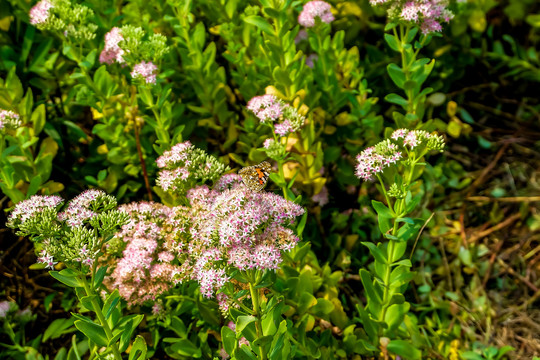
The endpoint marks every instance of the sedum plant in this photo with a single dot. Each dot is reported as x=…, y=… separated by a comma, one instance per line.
x=75, y=236
x=395, y=164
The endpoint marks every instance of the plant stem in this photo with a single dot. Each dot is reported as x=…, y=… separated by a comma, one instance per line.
x=384, y=192
x=255, y=299
x=143, y=164
x=282, y=177
x=101, y=318
x=138, y=143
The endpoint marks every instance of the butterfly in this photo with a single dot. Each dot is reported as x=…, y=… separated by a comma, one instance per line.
x=256, y=176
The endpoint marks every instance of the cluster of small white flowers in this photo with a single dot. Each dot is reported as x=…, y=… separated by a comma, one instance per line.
x=375, y=159
x=9, y=119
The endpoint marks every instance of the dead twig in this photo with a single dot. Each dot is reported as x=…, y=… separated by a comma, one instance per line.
x=519, y=199
x=497, y=227
x=521, y=278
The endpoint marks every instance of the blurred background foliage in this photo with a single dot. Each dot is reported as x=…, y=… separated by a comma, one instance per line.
x=477, y=260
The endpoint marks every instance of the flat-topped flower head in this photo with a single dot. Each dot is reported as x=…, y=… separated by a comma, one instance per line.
x=75, y=235
x=9, y=120
x=143, y=253
x=185, y=165
x=259, y=105
x=427, y=14
x=39, y=13
x=112, y=52
x=82, y=207
x=235, y=228
x=402, y=142
x=145, y=71
x=315, y=9
x=72, y=20
x=282, y=117
x=27, y=209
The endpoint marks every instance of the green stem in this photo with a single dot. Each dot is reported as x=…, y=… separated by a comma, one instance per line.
x=101, y=317
x=384, y=192
x=282, y=178
x=388, y=272
x=255, y=299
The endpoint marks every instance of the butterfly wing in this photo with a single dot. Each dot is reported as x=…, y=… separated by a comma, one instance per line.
x=255, y=177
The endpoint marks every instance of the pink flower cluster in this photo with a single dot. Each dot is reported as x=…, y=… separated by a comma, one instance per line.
x=315, y=9
x=5, y=307
x=223, y=229
x=179, y=155
x=374, y=159
x=265, y=107
x=26, y=209
x=232, y=227
x=411, y=138
x=39, y=13
x=430, y=14
x=284, y=128
x=146, y=267
x=145, y=71
x=47, y=259
x=269, y=109
x=79, y=208
x=112, y=52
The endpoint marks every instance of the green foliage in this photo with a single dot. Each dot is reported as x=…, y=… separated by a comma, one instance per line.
x=366, y=279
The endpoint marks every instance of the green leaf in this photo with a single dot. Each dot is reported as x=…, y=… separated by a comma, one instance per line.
x=393, y=42
x=100, y=275
x=110, y=303
x=263, y=340
x=185, y=347
x=244, y=353
x=93, y=331
x=376, y=252
x=396, y=74
x=411, y=34
x=128, y=324
x=67, y=278
x=503, y=350
x=384, y=216
x=396, y=99
x=305, y=302
x=244, y=321
x=302, y=224
x=373, y=295
x=404, y=349
x=14, y=86
x=87, y=302
x=533, y=20
x=208, y=312
x=38, y=118
x=58, y=328
x=228, y=337
x=138, y=349
x=395, y=314
x=301, y=251
x=471, y=355
x=33, y=187
x=323, y=307
x=260, y=22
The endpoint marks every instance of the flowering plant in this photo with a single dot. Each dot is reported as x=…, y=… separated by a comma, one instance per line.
x=394, y=162
x=76, y=236
x=228, y=131
x=25, y=161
